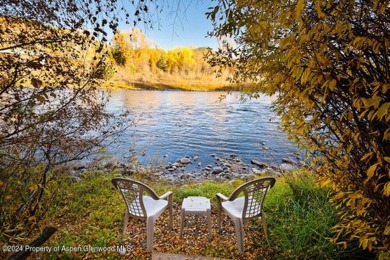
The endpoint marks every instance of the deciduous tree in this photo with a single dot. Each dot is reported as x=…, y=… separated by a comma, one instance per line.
x=327, y=62
x=51, y=110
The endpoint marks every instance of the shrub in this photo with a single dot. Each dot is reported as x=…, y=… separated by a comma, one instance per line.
x=327, y=64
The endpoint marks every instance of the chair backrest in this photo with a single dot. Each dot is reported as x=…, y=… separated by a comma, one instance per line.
x=254, y=193
x=132, y=192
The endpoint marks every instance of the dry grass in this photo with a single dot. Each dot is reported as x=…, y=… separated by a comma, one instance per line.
x=166, y=81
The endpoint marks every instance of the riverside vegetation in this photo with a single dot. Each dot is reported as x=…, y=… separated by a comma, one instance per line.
x=135, y=62
x=299, y=217
x=327, y=63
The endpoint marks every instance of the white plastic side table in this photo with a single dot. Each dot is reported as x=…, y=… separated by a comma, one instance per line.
x=196, y=206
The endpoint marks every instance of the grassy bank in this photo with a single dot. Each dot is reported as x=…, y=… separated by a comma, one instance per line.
x=183, y=86
x=89, y=214
x=165, y=81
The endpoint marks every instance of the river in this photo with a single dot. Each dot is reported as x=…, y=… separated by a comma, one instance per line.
x=173, y=124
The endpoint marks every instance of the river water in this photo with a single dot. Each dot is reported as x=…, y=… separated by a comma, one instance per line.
x=173, y=124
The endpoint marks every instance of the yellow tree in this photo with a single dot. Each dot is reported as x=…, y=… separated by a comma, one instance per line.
x=186, y=59
x=328, y=63
x=172, y=59
x=122, y=52
x=131, y=49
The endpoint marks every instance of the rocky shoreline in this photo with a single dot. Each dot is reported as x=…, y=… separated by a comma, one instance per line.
x=223, y=168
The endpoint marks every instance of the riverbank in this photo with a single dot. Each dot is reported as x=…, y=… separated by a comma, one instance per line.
x=163, y=81
x=222, y=168
x=89, y=211
x=181, y=86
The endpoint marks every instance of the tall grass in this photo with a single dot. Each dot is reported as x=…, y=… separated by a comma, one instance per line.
x=300, y=219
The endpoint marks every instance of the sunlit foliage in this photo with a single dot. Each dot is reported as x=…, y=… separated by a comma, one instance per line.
x=132, y=50
x=52, y=59
x=328, y=63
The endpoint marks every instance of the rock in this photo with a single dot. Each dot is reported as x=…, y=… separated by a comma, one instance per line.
x=271, y=171
x=228, y=177
x=257, y=171
x=79, y=167
x=244, y=177
x=122, y=165
x=176, y=164
x=227, y=165
x=195, y=158
x=185, y=160
x=212, y=155
x=108, y=165
x=258, y=163
x=199, y=164
x=286, y=167
x=288, y=160
x=131, y=168
x=186, y=176
x=217, y=170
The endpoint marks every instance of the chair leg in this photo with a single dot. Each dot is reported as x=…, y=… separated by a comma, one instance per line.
x=239, y=227
x=219, y=218
x=125, y=222
x=149, y=233
x=264, y=225
x=171, y=216
x=209, y=222
x=182, y=220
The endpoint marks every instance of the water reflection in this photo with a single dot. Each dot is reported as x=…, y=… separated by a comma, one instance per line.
x=172, y=124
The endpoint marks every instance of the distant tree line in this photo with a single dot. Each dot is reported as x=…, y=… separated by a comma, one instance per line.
x=134, y=52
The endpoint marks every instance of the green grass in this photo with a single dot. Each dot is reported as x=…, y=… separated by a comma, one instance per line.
x=86, y=213
x=300, y=219
x=90, y=212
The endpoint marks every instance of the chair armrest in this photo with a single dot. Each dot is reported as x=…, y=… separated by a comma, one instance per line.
x=167, y=194
x=222, y=197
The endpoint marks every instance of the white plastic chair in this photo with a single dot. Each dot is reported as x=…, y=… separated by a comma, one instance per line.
x=141, y=206
x=246, y=207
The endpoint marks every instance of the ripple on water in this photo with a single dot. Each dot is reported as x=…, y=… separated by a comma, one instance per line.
x=197, y=123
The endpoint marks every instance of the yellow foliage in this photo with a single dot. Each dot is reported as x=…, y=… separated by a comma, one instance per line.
x=327, y=63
